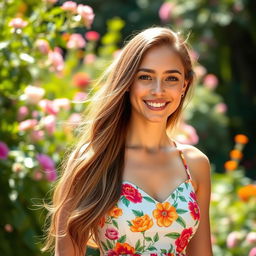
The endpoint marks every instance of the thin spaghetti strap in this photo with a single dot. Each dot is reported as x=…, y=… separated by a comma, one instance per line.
x=183, y=160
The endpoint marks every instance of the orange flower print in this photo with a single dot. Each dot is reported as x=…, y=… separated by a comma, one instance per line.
x=140, y=224
x=102, y=221
x=121, y=248
x=194, y=210
x=131, y=193
x=182, y=242
x=115, y=212
x=165, y=214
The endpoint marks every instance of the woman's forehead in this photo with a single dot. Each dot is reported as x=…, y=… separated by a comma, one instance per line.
x=162, y=58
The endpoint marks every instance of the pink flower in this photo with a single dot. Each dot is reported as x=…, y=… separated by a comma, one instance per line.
x=35, y=114
x=210, y=81
x=74, y=120
x=37, y=135
x=48, y=107
x=200, y=71
x=62, y=103
x=131, y=193
x=89, y=58
x=194, y=55
x=111, y=234
x=187, y=134
x=69, y=6
x=56, y=61
x=37, y=175
x=76, y=41
x=34, y=94
x=49, y=123
x=86, y=12
x=221, y=107
x=22, y=113
x=80, y=96
x=48, y=165
x=165, y=11
x=8, y=228
x=4, y=150
x=112, y=253
x=18, y=23
x=251, y=238
x=27, y=124
x=233, y=239
x=252, y=252
x=81, y=80
x=92, y=35
x=43, y=46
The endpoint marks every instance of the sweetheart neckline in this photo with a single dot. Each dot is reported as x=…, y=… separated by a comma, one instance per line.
x=164, y=201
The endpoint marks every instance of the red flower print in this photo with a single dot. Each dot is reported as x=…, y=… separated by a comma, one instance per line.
x=193, y=195
x=112, y=253
x=111, y=234
x=182, y=242
x=194, y=210
x=131, y=193
x=153, y=254
x=124, y=248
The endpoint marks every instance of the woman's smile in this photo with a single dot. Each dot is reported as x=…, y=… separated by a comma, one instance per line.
x=156, y=106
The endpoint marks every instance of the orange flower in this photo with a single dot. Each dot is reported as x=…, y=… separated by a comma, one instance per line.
x=116, y=212
x=241, y=138
x=102, y=221
x=65, y=36
x=247, y=191
x=165, y=214
x=124, y=248
x=140, y=224
x=230, y=165
x=236, y=154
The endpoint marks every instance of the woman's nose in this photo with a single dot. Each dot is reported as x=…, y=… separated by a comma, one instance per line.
x=158, y=87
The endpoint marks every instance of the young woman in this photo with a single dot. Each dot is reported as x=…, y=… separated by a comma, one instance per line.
x=128, y=185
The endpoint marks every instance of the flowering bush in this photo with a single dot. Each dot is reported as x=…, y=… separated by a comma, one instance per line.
x=233, y=207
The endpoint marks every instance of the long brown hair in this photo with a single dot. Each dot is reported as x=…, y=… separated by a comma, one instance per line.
x=90, y=182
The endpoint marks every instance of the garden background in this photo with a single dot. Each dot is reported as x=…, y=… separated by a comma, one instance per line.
x=51, y=54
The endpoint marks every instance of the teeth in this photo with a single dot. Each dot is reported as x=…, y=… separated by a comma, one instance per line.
x=156, y=105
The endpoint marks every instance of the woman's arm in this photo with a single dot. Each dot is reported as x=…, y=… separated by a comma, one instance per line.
x=200, y=244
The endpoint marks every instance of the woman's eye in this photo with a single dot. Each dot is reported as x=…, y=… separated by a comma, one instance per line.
x=145, y=77
x=172, y=78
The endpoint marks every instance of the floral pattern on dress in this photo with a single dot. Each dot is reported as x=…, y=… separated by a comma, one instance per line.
x=174, y=211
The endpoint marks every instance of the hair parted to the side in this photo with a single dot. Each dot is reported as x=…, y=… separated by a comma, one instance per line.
x=90, y=181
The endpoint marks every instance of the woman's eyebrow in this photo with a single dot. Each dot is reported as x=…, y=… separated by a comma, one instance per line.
x=166, y=72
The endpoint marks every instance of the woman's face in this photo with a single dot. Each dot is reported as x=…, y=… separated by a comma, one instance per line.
x=159, y=82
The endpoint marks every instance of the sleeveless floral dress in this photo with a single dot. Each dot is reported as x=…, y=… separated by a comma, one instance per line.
x=140, y=225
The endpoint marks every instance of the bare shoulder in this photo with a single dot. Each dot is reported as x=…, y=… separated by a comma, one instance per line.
x=198, y=164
